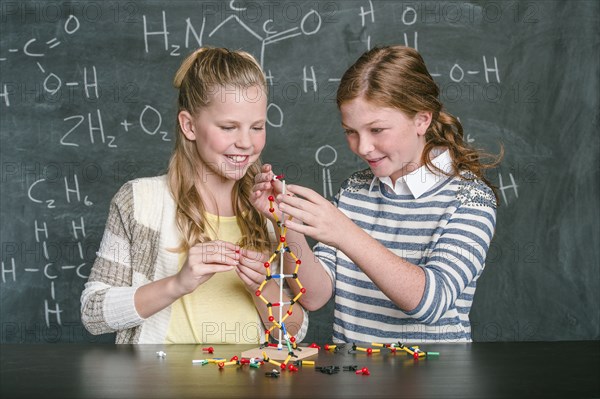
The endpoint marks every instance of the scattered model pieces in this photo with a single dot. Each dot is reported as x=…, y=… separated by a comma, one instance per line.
x=414, y=351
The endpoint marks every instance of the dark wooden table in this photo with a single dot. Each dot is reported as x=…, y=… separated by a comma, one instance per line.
x=478, y=370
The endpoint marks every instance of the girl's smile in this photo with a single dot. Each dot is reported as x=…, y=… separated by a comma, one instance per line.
x=390, y=141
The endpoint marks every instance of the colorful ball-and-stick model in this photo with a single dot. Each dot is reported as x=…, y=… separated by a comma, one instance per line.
x=279, y=323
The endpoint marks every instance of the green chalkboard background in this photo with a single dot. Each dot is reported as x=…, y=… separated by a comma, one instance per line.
x=86, y=104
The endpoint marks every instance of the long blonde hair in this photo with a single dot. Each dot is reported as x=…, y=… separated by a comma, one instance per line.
x=396, y=77
x=197, y=78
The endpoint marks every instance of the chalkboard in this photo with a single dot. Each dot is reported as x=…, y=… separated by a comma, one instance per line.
x=86, y=104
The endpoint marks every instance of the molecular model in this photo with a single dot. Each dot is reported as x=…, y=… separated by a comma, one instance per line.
x=279, y=323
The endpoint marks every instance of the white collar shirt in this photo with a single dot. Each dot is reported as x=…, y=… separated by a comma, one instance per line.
x=420, y=180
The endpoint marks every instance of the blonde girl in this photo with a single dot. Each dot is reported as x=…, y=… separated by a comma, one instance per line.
x=182, y=254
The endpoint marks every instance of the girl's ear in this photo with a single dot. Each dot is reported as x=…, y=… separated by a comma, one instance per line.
x=186, y=123
x=422, y=121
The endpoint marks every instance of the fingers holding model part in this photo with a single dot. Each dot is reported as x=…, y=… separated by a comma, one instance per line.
x=313, y=215
x=204, y=260
x=266, y=187
x=262, y=180
x=263, y=189
x=251, y=269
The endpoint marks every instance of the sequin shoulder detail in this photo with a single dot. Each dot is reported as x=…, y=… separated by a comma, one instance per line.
x=360, y=180
x=472, y=191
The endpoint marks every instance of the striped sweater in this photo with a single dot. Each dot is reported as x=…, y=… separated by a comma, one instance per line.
x=446, y=231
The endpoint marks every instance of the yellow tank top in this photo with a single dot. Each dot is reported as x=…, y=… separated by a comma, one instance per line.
x=219, y=311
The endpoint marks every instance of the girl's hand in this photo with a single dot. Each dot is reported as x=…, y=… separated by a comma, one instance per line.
x=203, y=261
x=264, y=187
x=314, y=216
x=251, y=269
